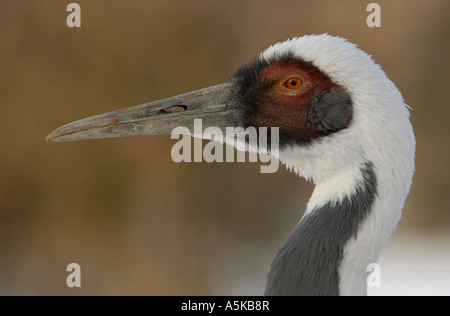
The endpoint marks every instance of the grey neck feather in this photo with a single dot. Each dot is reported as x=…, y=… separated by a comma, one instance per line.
x=308, y=262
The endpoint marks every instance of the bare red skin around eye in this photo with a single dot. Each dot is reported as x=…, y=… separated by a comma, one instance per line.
x=286, y=109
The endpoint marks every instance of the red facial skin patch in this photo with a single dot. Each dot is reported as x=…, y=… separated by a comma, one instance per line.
x=284, y=108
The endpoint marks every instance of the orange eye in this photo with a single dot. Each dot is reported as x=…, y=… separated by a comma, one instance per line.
x=293, y=83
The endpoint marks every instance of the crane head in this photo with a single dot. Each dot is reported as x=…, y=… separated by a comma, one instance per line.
x=327, y=97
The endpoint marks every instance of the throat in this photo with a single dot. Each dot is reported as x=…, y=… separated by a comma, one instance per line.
x=309, y=261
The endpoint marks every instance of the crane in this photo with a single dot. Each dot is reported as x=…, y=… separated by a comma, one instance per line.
x=342, y=124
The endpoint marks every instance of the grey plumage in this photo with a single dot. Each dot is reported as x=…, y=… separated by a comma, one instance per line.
x=330, y=110
x=308, y=262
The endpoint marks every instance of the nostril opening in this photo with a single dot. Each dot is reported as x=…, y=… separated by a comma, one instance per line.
x=174, y=109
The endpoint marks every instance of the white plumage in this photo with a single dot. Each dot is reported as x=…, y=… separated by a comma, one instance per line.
x=380, y=132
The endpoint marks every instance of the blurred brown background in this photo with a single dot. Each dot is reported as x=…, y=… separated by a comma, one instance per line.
x=137, y=222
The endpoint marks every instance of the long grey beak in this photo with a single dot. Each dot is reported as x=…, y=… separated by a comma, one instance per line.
x=214, y=105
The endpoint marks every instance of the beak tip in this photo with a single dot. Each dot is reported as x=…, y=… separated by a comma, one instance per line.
x=48, y=139
x=53, y=137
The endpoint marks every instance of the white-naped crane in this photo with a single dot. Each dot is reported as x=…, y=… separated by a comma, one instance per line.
x=342, y=124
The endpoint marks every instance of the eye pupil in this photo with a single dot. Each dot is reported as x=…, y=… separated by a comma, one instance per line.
x=293, y=82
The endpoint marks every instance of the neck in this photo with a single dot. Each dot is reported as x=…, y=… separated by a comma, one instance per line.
x=311, y=261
